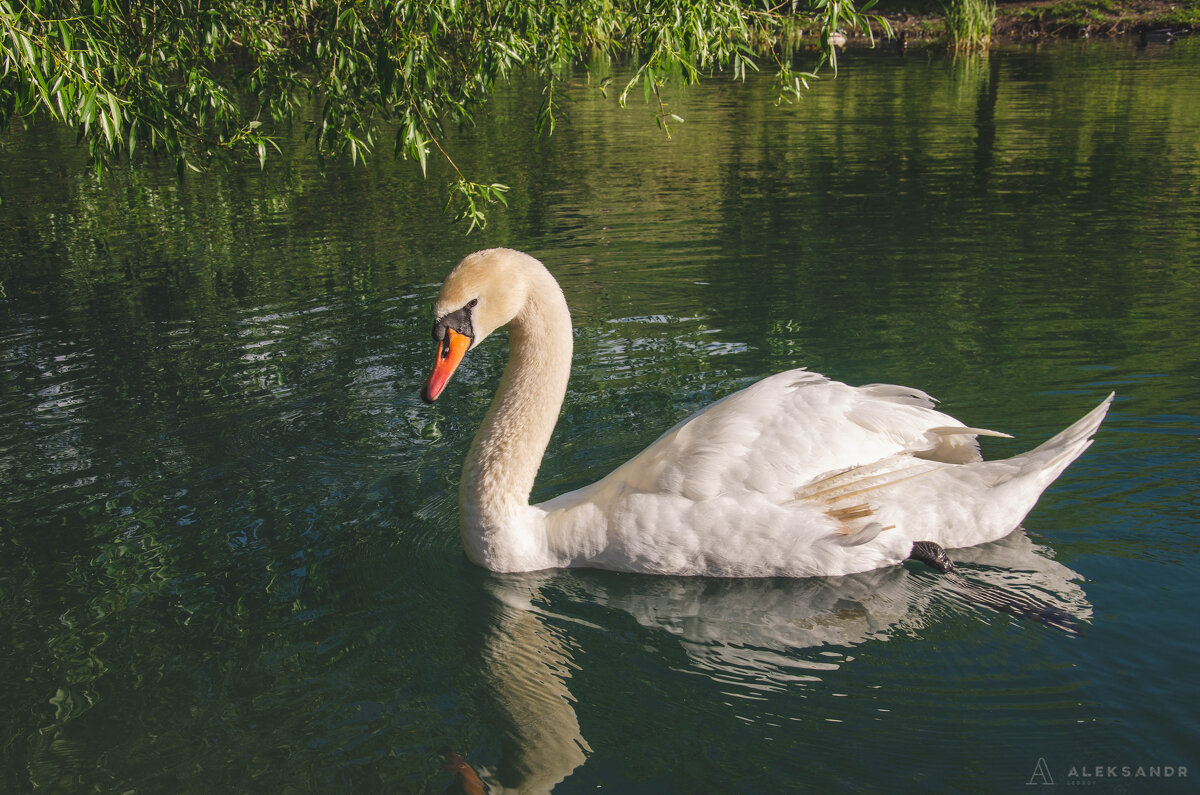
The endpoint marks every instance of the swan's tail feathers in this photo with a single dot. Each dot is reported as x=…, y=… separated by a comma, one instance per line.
x=1056, y=453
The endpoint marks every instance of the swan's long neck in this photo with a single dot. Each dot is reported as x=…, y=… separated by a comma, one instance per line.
x=496, y=520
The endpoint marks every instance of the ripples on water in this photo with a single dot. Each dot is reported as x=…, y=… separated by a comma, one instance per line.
x=228, y=524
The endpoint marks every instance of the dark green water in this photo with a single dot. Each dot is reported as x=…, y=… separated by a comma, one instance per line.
x=229, y=558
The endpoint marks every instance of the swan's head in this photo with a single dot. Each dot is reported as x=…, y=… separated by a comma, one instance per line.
x=483, y=292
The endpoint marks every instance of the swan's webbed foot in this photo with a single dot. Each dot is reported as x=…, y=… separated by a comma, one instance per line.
x=933, y=555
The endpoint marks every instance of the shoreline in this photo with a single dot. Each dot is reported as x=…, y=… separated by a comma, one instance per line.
x=1047, y=20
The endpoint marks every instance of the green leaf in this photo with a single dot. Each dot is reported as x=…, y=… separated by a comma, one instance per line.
x=25, y=46
x=114, y=109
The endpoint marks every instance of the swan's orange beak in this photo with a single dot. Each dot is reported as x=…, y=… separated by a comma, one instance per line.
x=449, y=353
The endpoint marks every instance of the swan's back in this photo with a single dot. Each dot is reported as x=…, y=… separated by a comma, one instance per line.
x=787, y=430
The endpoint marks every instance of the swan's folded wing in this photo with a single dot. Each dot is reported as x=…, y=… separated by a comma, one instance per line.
x=790, y=429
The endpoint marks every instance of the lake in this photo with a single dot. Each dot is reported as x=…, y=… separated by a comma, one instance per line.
x=228, y=524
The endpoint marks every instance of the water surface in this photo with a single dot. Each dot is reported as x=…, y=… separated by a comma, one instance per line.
x=229, y=528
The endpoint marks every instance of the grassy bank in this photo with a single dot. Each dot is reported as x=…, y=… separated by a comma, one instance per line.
x=926, y=20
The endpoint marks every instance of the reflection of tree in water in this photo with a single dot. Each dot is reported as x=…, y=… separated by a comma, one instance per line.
x=751, y=634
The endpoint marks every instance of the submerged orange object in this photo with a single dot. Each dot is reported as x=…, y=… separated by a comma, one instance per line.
x=466, y=780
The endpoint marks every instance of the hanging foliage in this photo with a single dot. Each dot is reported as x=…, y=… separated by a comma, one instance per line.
x=194, y=80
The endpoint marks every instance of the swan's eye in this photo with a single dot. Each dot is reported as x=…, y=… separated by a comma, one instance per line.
x=472, y=303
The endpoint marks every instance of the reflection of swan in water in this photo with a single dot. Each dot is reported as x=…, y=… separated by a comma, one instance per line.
x=751, y=626
x=749, y=633
x=529, y=664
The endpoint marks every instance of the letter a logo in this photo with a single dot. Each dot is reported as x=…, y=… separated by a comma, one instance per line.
x=1041, y=773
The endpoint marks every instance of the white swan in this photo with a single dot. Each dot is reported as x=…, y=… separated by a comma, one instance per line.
x=794, y=476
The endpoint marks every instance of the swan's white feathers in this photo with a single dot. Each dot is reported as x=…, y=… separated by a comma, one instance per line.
x=798, y=474
x=783, y=432
x=794, y=475
x=900, y=394
x=861, y=535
